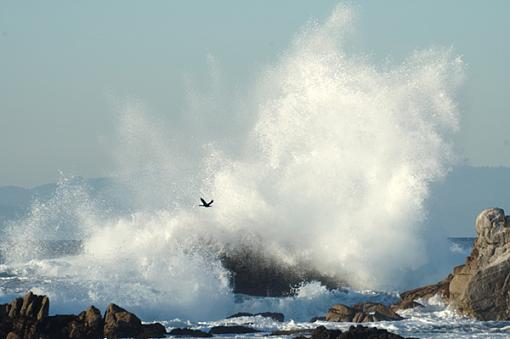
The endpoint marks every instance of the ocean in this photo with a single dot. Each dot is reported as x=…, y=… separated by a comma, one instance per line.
x=329, y=165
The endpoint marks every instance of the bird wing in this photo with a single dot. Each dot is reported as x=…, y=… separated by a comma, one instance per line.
x=203, y=201
x=211, y=202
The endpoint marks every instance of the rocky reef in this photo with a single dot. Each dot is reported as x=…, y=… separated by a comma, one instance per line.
x=28, y=318
x=480, y=288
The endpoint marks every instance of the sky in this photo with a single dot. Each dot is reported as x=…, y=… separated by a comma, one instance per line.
x=65, y=65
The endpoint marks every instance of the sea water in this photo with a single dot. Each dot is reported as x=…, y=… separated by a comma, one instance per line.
x=332, y=170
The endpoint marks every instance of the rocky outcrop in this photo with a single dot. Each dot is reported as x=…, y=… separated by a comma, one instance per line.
x=119, y=323
x=188, y=332
x=276, y=316
x=481, y=287
x=361, y=313
x=232, y=330
x=28, y=318
x=255, y=272
x=408, y=298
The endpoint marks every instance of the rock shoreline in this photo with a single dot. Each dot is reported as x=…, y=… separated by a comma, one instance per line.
x=28, y=318
x=480, y=288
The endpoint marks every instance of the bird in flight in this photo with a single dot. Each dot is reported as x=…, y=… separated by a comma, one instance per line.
x=206, y=204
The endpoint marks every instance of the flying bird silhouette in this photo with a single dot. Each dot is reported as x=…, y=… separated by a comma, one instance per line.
x=206, y=204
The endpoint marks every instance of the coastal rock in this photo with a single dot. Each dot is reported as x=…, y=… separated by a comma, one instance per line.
x=22, y=315
x=155, y=330
x=361, y=332
x=360, y=313
x=480, y=288
x=408, y=298
x=28, y=318
x=187, y=332
x=255, y=272
x=232, y=330
x=280, y=317
x=354, y=332
x=119, y=323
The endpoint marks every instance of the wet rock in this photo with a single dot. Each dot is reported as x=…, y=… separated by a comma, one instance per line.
x=339, y=313
x=232, y=330
x=119, y=323
x=155, y=330
x=322, y=332
x=255, y=272
x=318, y=318
x=405, y=305
x=408, y=298
x=362, y=332
x=292, y=332
x=273, y=315
x=188, y=332
x=22, y=315
x=360, y=313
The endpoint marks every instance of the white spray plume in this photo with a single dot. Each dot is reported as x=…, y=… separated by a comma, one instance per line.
x=333, y=174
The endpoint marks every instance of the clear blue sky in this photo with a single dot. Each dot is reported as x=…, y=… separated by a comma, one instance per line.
x=64, y=63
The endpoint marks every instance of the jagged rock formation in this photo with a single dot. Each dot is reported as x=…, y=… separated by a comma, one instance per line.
x=361, y=313
x=481, y=287
x=28, y=318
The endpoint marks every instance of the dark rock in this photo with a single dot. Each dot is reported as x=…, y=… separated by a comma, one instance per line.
x=119, y=323
x=155, y=330
x=273, y=315
x=232, y=330
x=360, y=313
x=293, y=331
x=240, y=314
x=188, y=332
x=362, y=332
x=408, y=298
x=405, y=304
x=322, y=332
x=59, y=326
x=318, y=318
x=22, y=315
x=254, y=272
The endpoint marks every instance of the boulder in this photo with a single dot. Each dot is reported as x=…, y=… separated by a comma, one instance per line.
x=280, y=317
x=188, y=332
x=119, y=323
x=232, y=330
x=361, y=313
x=22, y=315
x=354, y=332
x=362, y=332
x=322, y=332
x=480, y=287
x=154, y=330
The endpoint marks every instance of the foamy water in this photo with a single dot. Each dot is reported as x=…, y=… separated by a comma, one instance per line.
x=333, y=173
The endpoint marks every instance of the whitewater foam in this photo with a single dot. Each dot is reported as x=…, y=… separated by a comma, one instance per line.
x=333, y=175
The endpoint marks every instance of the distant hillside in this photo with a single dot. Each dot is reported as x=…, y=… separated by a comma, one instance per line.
x=453, y=205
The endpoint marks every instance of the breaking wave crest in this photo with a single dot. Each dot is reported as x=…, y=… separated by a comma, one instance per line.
x=333, y=174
